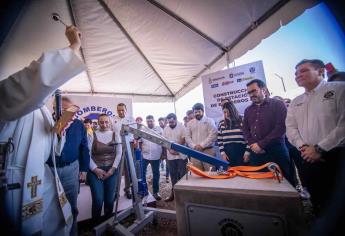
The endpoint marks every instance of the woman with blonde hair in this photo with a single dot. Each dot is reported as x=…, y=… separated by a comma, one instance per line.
x=103, y=174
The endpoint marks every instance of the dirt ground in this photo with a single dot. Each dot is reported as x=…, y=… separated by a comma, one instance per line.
x=166, y=227
x=160, y=227
x=163, y=227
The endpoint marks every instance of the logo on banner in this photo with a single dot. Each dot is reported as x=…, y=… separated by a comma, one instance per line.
x=92, y=111
x=232, y=75
x=92, y=116
x=215, y=79
x=244, y=79
x=227, y=82
x=210, y=80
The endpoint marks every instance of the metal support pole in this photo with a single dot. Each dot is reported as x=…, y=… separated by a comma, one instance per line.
x=138, y=208
x=282, y=79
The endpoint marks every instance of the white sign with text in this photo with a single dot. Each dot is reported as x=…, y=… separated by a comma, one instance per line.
x=92, y=106
x=231, y=84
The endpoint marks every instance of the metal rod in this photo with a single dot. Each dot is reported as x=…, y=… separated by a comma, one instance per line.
x=119, y=94
x=244, y=34
x=57, y=18
x=117, y=199
x=92, y=87
x=282, y=79
x=188, y=25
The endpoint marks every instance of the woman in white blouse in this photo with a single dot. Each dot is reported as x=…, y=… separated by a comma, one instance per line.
x=103, y=173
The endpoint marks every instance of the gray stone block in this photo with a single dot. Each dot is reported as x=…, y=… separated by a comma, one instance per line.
x=237, y=206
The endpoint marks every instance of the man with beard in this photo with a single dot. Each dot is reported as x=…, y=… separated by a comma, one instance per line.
x=176, y=161
x=264, y=128
x=152, y=153
x=200, y=136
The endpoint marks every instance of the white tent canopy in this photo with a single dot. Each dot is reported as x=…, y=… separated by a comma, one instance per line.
x=144, y=49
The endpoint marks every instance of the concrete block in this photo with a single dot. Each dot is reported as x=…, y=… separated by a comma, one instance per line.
x=237, y=206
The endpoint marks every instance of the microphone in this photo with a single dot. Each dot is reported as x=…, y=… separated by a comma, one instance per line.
x=56, y=17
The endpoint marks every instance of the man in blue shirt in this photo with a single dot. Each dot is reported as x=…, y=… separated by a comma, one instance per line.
x=73, y=162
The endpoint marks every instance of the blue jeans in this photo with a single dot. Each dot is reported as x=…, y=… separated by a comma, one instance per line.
x=102, y=191
x=166, y=167
x=178, y=168
x=155, y=172
x=167, y=171
x=69, y=177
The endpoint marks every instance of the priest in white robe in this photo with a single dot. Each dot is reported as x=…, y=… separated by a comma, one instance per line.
x=39, y=206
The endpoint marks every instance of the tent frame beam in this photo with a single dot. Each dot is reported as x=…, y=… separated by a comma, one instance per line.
x=117, y=22
x=70, y=8
x=117, y=94
x=188, y=25
x=244, y=34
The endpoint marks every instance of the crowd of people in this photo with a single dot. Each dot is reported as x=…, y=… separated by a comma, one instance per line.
x=307, y=134
x=278, y=130
x=289, y=133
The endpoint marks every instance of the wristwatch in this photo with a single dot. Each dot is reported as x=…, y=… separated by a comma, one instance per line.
x=318, y=149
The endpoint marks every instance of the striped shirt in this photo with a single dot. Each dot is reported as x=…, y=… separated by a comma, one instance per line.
x=227, y=135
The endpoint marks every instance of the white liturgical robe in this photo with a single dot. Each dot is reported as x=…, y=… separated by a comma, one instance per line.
x=36, y=207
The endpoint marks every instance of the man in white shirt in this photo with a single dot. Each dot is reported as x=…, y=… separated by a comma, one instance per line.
x=200, y=136
x=315, y=124
x=35, y=207
x=177, y=162
x=152, y=153
x=118, y=121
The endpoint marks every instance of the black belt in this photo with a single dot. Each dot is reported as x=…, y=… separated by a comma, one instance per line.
x=59, y=163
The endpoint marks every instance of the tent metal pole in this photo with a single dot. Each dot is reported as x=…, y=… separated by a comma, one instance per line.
x=227, y=59
x=244, y=34
x=190, y=26
x=208, y=66
x=69, y=3
x=117, y=94
x=174, y=100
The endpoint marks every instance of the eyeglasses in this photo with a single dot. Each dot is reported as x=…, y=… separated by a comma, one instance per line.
x=252, y=91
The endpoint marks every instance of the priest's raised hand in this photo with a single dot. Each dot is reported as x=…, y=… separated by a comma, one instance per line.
x=41, y=201
x=74, y=37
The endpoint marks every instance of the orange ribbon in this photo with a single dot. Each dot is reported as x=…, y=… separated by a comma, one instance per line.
x=251, y=172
